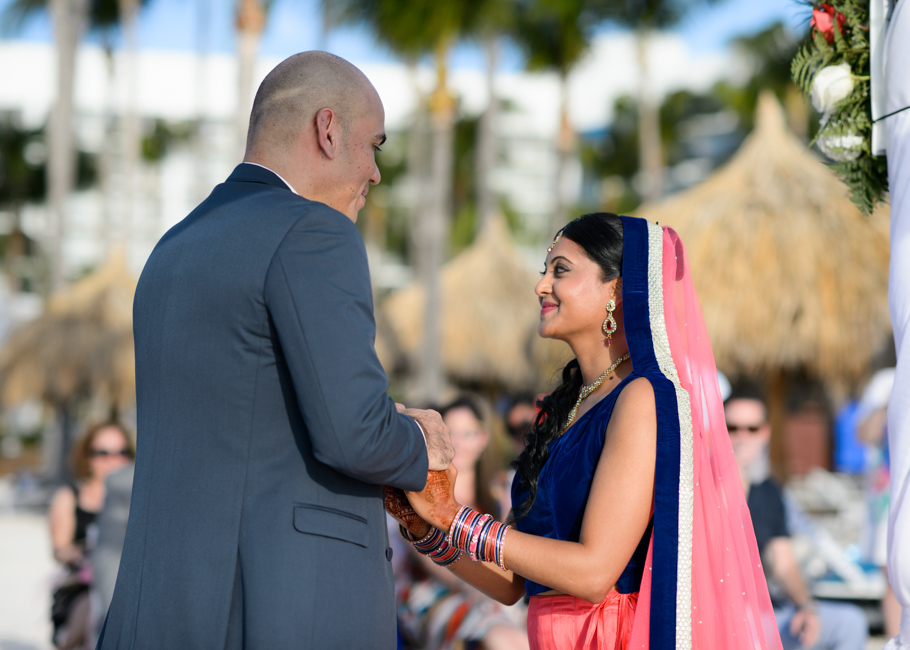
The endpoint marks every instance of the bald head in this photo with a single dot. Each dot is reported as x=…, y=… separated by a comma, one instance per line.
x=291, y=94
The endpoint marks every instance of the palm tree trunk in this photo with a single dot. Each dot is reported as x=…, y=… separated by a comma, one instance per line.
x=58, y=440
x=565, y=143
x=200, y=149
x=69, y=18
x=106, y=156
x=250, y=24
x=486, y=139
x=130, y=132
x=436, y=228
x=650, y=149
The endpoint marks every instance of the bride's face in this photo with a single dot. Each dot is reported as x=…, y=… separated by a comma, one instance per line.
x=572, y=294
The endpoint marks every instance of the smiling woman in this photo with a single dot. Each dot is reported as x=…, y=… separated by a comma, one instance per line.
x=630, y=526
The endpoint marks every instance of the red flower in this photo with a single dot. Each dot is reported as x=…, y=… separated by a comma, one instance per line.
x=823, y=17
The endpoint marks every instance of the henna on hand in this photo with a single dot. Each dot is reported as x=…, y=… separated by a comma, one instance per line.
x=397, y=505
x=436, y=502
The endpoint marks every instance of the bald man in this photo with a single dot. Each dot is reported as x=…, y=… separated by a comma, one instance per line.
x=264, y=426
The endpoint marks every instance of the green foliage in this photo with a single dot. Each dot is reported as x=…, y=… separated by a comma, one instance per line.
x=554, y=34
x=22, y=162
x=103, y=15
x=413, y=28
x=161, y=137
x=845, y=132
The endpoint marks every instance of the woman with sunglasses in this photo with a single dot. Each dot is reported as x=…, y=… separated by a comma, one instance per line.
x=631, y=528
x=103, y=448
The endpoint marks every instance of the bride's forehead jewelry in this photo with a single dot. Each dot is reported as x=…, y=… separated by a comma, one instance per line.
x=555, y=241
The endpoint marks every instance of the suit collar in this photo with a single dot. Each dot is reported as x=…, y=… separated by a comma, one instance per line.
x=246, y=173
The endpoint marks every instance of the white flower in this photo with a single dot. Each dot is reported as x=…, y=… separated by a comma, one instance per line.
x=842, y=148
x=829, y=86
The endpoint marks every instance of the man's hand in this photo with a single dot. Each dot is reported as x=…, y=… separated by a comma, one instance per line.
x=439, y=445
x=397, y=505
x=805, y=626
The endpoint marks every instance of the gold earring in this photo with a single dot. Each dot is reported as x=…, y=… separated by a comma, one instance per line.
x=609, y=325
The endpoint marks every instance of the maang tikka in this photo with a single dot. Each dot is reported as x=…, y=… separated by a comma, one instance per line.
x=609, y=325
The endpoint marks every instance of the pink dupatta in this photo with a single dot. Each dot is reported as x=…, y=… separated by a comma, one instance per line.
x=703, y=587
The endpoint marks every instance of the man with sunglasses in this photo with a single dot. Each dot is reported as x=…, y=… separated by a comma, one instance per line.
x=803, y=622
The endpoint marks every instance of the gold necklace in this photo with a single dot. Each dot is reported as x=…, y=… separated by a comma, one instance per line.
x=587, y=390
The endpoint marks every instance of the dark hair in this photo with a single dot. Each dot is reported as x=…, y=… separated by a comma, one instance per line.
x=489, y=462
x=600, y=236
x=466, y=402
x=79, y=460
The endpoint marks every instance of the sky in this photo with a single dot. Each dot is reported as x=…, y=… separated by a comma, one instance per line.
x=296, y=25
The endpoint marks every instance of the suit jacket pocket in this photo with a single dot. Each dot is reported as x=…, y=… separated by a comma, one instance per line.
x=329, y=522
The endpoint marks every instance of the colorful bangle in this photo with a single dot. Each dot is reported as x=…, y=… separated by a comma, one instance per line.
x=436, y=547
x=479, y=535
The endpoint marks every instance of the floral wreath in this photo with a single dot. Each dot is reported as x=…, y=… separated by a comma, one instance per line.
x=833, y=70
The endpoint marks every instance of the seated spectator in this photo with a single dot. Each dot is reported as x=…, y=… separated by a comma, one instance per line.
x=103, y=449
x=803, y=622
x=436, y=610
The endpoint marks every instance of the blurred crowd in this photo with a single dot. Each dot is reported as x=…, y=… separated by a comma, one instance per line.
x=87, y=522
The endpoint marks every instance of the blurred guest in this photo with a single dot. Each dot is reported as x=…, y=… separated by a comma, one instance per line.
x=871, y=429
x=436, y=610
x=103, y=449
x=111, y=526
x=802, y=621
x=520, y=419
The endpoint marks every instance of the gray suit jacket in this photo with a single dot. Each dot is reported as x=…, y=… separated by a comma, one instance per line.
x=264, y=433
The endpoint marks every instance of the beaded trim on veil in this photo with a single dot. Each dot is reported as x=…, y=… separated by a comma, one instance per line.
x=665, y=361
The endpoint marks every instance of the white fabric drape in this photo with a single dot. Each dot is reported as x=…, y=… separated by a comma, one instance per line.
x=897, y=81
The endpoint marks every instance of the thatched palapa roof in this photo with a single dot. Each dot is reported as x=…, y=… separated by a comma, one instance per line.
x=790, y=274
x=489, y=318
x=82, y=346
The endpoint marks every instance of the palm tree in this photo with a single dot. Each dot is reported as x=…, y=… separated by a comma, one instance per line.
x=413, y=29
x=644, y=17
x=495, y=22
x=251, y=19
x=70, y=20
x=554, y=35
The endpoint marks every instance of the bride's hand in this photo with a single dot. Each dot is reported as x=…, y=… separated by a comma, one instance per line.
x=397, y=505
x=436, y=502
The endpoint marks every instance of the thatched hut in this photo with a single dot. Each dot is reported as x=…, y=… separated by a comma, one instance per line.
x=82, y=346
x=489, y=320
x=79, y=350
x=791, y=276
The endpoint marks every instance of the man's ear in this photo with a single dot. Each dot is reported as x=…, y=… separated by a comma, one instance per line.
x=328, y=132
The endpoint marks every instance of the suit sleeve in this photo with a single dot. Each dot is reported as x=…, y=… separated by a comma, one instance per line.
x=319, y=297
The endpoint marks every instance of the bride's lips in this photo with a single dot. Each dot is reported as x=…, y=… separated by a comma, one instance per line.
x=547, y=307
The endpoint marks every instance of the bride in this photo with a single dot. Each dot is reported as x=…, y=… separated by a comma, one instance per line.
x=629, y=524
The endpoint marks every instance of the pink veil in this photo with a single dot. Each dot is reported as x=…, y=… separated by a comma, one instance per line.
x=703, y=585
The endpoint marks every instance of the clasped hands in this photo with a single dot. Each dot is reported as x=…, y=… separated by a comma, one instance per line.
x=419, y=512
x=435, y=505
